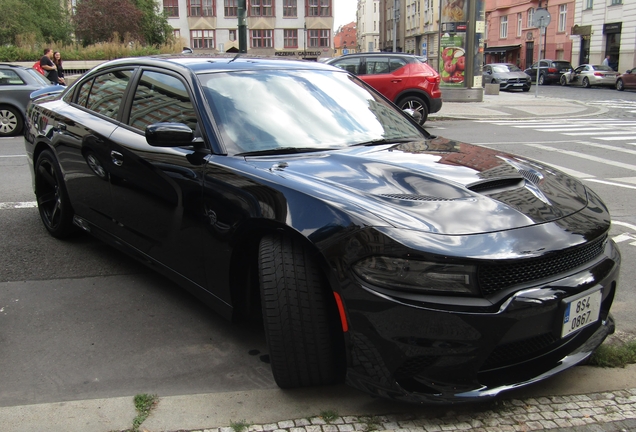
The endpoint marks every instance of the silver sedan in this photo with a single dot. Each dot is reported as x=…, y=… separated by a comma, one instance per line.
x=588, y=75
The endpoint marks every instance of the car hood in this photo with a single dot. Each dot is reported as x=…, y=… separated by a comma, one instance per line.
x=439, y=185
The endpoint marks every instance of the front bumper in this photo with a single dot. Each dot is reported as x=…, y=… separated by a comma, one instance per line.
x=424, y=354
x=514, y=85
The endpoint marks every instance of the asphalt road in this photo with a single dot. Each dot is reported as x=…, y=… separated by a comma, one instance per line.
x=78, y=320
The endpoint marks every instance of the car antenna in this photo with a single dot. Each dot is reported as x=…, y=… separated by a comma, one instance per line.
x=235, y=57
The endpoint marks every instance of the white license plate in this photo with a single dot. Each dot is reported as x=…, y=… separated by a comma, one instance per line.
x=517, y=85
x=581, y=312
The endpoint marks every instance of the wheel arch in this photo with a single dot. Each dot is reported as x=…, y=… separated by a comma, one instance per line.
x=418, y=93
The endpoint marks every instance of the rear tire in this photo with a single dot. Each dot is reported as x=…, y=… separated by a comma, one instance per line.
x=541, y=79
x=300, y=331
x=586, y=82
x=416, y=104
x=53, y=202
x=11, y=122
x=563, y=80
x=620, y=86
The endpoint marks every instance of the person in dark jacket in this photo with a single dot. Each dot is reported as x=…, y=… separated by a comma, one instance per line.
x=48, y=66
x=57, y=60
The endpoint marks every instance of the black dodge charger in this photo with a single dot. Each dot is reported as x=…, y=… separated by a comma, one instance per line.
x=411, y=266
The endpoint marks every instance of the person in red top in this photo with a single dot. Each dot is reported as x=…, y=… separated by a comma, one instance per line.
x=48, y=66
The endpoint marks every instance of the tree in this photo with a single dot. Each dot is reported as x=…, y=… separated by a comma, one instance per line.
x=154, y=23
x=45, y=20
x=98, y=20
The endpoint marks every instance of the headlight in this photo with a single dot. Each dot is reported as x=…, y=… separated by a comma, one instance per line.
x=412, y=275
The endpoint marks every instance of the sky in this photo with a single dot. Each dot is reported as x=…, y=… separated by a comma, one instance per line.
x=344, y=12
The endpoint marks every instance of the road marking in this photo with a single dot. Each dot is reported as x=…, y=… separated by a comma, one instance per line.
x=18, y=205
x=11, y=156
x=608, y=147
x=585, y=156
x=599, y=132
x=610, y=183
x=617, y=138
x=625, y=224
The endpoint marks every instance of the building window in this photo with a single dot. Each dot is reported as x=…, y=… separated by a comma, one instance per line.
x=615, y=2
x=202, y=39
x=588, y=4
x=231, y=8
x=290, y=8
x=208, y=8
x=563, y=17
x=261, y=8
x=319, y=8
x=503, y=27
x=319, y=38
x=171, y=7
x=201, y=7
x=232, y=35
x=291, y=38
x=530, y=17
x=519, y=24
x=176, y=33
x=261, y=38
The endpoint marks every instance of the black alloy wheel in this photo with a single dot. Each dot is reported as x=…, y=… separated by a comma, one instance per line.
x=300, y=330
x=541, y=79
x=586, y=82
x=53, y=203
x=417, y=105
x=10, y=121
x=620, y=86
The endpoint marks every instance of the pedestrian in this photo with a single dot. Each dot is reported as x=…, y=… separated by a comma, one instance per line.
x=606, y=61
x=57, y=60
x=49, y=67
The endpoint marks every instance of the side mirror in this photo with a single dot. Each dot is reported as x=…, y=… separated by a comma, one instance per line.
x=169, y=135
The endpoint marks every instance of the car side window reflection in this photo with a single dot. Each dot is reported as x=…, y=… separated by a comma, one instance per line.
x=395, y=64
x=105, y=94
x=9, y=77
x=378, y=65
x=161, y=98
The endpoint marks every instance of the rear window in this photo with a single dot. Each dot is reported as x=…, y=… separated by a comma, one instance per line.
x=561, y=65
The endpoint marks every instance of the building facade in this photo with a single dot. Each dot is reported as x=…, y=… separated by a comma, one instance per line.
x=513, y=36
x=368, y=25
x=290, y=28
x=605, y=27
x=345, y=40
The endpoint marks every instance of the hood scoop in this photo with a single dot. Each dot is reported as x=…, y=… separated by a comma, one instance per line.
x=495, y=185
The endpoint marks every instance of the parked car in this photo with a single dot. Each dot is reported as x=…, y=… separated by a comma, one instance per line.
x=587, y=75
x=507, y=75
x=626, y=80
x=405, y=79
x=16, y=85
x=550, y=71
x=418, y=267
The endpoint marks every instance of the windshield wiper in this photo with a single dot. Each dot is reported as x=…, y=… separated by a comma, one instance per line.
x=281, y=151
x=384, y=141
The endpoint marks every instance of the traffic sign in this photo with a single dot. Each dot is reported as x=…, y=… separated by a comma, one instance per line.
x=541, y=18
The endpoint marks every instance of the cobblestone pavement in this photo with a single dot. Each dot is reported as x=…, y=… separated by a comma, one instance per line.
x=609, y=411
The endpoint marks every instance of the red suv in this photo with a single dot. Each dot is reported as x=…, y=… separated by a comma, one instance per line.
x=407, y=80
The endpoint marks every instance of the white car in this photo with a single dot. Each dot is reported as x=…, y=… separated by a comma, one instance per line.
x=588, y=75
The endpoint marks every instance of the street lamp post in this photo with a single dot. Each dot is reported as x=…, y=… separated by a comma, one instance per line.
x=242, y=27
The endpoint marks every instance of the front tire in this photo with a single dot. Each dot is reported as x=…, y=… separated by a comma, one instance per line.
x=563, y=80
x=11, y=122
x=53, y=202
x=300, y=330
x=620, y=86
x=416, y=104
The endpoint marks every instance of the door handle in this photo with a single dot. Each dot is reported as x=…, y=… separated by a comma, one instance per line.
x=117, y=158
x=396, y=81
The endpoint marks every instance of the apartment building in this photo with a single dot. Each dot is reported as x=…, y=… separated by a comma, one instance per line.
x=368, y=25
x=290, y=28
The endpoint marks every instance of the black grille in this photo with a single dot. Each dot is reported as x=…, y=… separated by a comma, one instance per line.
x=483, y=186
x=513, y=352
x=495, y=277
x=414, y=366
x=412, y=197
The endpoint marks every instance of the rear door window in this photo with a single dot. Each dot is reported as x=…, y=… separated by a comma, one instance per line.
x=104, y=94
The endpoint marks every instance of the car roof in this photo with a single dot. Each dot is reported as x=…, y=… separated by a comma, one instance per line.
x=208, y=63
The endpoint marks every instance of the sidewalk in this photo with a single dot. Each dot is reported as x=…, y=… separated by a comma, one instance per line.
x=516, y=105
x=583, y=398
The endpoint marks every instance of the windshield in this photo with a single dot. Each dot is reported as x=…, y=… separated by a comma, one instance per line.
x=505, y=68
x=305, y=109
